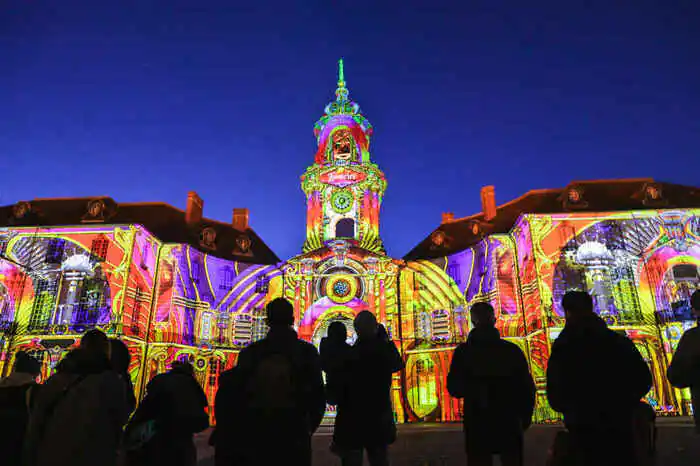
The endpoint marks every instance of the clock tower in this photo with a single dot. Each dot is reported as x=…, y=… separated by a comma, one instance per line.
x=343, y=188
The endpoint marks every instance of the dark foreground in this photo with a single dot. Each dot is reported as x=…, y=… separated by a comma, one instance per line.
x=441, y=445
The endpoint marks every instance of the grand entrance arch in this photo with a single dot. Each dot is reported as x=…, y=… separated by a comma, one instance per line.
x=341, y=314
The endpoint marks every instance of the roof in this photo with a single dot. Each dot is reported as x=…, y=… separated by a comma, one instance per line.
x=595, y=196
x=166, y=222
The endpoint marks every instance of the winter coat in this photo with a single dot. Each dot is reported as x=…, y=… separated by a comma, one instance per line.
x=595, y=376
x=17, y=392
x=333, y=357
x=493, y=378
x=79, y=414
x=365, y=417
x=229, y=409
x=291, y=427
x=171, y=400
x=684, y=370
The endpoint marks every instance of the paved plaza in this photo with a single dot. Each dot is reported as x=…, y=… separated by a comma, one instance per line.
x=442, y=445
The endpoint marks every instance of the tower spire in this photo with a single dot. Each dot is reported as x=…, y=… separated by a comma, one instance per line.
x=341, y=74
x=341, y=93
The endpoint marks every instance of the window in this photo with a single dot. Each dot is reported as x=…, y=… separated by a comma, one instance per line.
x=196, y=271
x=99, y=248
x=54, y=252
x=441, y=325
x=345, y=228
x=227, y=276
x=261, y=285
x=242, y=329
x=454, y=271
x=3, y=246
x=259, y=324
x=136, y=311
x=44, y=297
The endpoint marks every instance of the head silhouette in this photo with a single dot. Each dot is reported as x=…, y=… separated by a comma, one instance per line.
x=337, y=332
x=26, y=364
x=695, y=303
x=577, y=305
x=365, y=325
x=280, y=313
x=95, y=342
x=119, y=357
x=182, y=367
x=483, y=315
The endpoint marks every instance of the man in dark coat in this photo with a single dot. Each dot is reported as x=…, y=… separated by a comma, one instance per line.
x=596, y=378
x=493, y=377
x=684, y=371
x=17, y=393
x=175, y=403
x=283, y=393
x=365, y=419
x=80, y=411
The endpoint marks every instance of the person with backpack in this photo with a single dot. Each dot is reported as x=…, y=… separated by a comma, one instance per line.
x=596, y=378
x=365, y=419
x=493, y=377
x=283, y=395
x=17, y=394
x=80, y=411
x=163, y=427
x=684, y=371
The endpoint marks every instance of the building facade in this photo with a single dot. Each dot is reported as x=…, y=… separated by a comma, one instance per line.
x=175, y=285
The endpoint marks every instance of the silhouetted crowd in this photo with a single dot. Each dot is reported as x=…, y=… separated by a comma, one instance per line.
x=270, y=404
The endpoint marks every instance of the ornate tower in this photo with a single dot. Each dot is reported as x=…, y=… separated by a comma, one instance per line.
x=343, y=188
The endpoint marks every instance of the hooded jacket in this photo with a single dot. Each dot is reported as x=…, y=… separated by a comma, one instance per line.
x=79, y=414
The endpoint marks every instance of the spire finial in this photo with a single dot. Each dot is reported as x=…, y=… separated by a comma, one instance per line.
x=341, y=73
x=341, y=93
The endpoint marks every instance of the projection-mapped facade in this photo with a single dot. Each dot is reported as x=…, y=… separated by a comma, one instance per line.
x=175, y=285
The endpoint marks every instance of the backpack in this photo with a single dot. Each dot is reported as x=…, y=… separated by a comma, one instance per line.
x=272, y=387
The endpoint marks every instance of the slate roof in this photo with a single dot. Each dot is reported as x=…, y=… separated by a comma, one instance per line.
x=166, y=222
x=596, y=196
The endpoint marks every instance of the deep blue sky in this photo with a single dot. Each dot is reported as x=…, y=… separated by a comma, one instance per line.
x=146, y=100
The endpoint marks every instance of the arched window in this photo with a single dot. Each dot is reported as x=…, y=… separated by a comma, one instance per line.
x=345, y=228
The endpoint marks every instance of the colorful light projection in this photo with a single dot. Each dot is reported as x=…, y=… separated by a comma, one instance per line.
x=343, y=188
x=165, y=301
x=640, y=268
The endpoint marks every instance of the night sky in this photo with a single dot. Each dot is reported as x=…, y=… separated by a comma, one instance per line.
x=146, y=100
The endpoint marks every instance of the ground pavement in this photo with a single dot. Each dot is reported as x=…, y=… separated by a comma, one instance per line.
x=442, y=445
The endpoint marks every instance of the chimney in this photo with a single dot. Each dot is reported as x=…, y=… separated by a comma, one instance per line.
x=447, y=217
x=488, y=202
x=195, y=205
x=240, y=219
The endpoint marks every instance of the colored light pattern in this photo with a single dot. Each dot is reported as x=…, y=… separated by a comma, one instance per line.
x=640, y=267
x=165, y=301
x=172, y=301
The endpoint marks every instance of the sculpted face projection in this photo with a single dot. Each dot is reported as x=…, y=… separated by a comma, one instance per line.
x=342, y=145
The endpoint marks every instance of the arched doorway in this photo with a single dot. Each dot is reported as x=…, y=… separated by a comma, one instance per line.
x=322, y=329
x=345, y=228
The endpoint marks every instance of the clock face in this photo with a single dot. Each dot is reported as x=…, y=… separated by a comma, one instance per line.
x=341, y=201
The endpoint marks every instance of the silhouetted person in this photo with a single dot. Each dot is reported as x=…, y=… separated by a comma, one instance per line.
x=228, y=439
x=334, y=352
x=120, y=360
x=283, y=392
x=17, y=394
x=684, y=371
x=596, y=378
x=80, y=411
x=365, y=419
x=174, y=407
x=493, y=378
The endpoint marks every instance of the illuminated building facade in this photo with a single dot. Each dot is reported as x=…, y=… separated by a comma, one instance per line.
x=173, y=284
